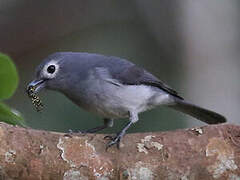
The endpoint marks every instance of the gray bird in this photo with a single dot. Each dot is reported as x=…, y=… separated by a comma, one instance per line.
x=112, y=88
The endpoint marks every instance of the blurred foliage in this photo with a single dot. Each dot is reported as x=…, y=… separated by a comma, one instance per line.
x=8, y=77
x=9, y=83
x=10, y=116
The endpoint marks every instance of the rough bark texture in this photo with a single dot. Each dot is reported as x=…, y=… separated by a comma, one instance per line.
x=209, y=152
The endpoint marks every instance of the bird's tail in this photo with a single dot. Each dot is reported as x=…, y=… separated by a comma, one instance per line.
x=200, y=113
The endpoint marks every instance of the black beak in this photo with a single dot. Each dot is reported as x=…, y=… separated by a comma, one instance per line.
x=35, y=85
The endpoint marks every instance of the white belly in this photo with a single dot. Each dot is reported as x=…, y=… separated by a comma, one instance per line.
x=117, y=101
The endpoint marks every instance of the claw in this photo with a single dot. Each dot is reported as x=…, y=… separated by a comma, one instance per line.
x=108, y=138
x=113, y=141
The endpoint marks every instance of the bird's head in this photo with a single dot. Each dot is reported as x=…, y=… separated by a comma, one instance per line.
x=52, y=73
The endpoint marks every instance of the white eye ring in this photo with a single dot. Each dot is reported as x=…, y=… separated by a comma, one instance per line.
x=50, y=70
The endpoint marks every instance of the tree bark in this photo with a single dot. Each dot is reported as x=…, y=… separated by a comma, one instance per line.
x=209, y=152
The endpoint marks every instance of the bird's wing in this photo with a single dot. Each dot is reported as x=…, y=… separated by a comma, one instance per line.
x=135, y=75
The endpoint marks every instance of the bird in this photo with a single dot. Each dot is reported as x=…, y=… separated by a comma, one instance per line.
x=113, y=88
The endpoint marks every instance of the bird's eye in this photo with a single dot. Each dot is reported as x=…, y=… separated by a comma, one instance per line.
x=51, y=69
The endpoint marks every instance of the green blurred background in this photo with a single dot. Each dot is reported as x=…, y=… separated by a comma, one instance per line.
x=191, y=45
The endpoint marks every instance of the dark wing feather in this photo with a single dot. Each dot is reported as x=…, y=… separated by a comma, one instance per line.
x=135, y=75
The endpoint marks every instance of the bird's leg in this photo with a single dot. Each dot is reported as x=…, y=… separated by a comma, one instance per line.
x=107, y=123
x=116, y=140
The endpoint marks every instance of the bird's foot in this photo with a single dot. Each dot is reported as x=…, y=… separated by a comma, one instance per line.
x=113, y=140
x=116, y=139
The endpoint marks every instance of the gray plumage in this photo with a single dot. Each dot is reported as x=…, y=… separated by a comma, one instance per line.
x=112, y=87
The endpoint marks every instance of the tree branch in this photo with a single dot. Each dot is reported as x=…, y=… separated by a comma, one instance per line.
x=208, y=152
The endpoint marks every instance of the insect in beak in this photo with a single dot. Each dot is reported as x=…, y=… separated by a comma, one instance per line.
x=32, y=89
